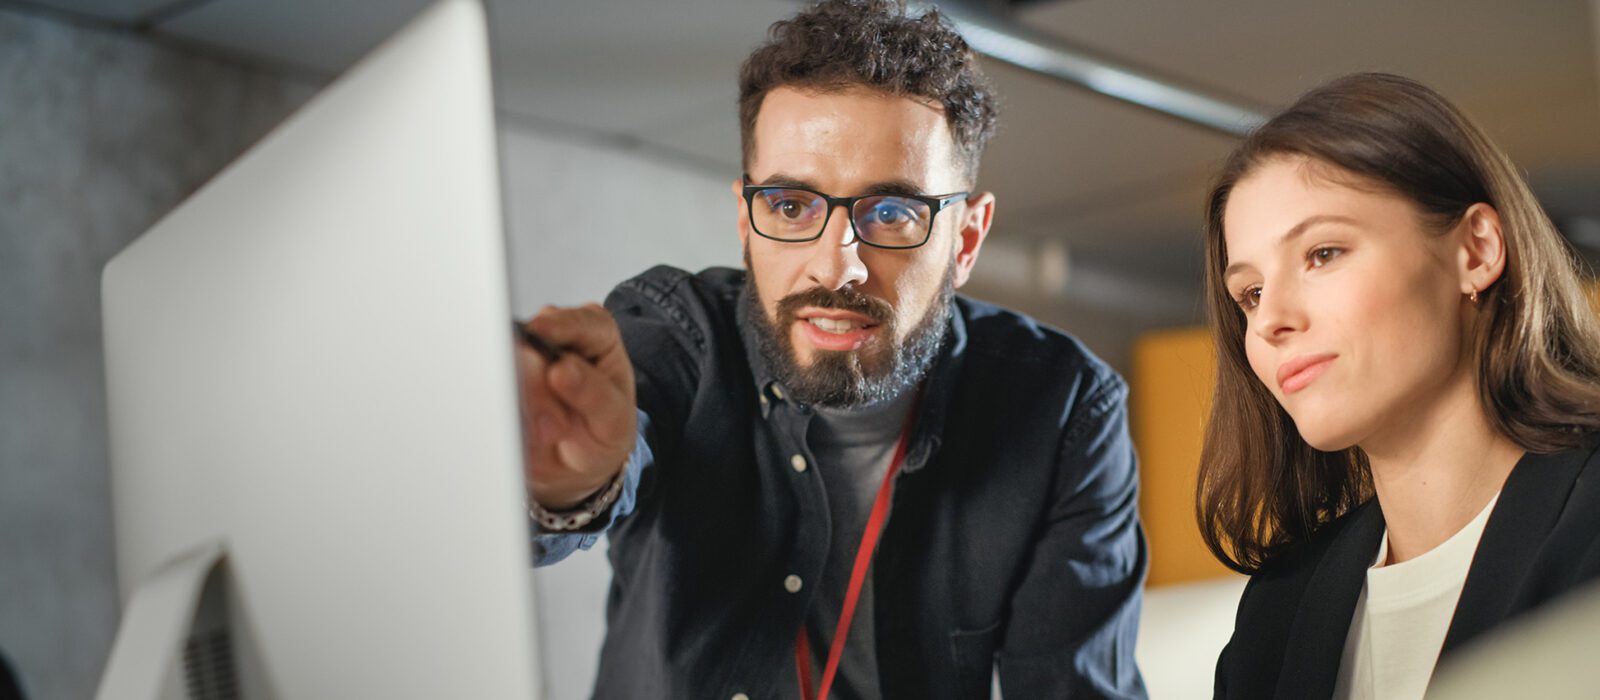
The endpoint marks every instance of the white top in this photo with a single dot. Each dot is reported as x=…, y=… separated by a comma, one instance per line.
x=1403, y=615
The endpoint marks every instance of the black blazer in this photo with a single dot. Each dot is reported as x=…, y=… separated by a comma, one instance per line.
x=1542, y=539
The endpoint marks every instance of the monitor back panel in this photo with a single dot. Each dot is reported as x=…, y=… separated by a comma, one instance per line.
x=310, y=361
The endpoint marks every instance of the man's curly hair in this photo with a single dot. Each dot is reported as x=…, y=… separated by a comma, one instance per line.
x=841, y=44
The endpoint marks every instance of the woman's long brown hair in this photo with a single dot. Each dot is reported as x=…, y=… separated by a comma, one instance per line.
x=1262, y=488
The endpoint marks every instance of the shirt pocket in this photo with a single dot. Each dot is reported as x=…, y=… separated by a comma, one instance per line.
x=972, y=653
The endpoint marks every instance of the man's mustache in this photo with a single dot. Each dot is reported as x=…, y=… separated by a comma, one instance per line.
x=846, y=299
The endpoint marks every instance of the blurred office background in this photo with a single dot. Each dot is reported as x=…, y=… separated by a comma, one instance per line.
x=112, y=111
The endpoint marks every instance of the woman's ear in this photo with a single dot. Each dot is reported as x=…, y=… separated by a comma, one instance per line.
x=1482, y=257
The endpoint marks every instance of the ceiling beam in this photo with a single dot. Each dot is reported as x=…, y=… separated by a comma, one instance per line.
x=1004, y=39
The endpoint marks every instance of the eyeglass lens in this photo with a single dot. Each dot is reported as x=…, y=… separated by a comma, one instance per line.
x=797, y=215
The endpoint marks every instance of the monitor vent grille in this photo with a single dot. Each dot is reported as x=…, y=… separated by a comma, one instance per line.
x=208, y=667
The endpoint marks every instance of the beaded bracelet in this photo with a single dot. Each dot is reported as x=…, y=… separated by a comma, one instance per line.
x=581, y=515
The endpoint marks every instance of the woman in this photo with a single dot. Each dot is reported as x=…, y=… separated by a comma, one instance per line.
x=1402, y=447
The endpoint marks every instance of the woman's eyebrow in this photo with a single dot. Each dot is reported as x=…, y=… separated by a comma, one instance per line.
x=1294, y=232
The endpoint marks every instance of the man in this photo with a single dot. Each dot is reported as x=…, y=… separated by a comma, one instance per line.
x=744, y=436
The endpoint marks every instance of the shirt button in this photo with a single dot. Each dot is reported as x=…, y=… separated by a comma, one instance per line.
x=791, y=583
x=798, y=462
x=740, y=696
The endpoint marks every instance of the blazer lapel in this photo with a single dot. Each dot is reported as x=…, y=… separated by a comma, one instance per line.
x=1316, y=639
x=1530, y=504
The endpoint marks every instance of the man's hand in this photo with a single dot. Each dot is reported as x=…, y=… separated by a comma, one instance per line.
x=577, y=412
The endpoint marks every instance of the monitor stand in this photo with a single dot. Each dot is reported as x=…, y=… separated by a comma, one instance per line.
x=175, y=640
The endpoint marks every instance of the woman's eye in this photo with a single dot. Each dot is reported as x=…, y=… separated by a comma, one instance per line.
x=1321, y=256
x=1249, y=299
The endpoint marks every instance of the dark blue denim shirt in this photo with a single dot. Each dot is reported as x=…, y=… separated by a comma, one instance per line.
x=1013, y=540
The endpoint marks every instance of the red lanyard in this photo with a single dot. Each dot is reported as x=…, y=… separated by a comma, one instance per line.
x=858, y=576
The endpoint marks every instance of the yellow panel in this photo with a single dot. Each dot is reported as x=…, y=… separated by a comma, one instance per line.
x=1172, y=384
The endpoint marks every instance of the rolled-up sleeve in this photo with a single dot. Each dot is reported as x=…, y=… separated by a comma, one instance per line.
x=551, y=547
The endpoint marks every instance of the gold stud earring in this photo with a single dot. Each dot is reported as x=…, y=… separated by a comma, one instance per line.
x=1474, y=296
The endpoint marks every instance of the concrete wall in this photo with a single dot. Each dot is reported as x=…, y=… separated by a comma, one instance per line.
x=100, y=134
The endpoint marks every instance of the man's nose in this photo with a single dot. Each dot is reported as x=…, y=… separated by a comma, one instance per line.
x=836, y=256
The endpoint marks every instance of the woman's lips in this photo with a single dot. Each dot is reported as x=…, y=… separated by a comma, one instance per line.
x=1300, y=371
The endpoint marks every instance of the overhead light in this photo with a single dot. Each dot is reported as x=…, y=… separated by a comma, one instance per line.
x=1005, y=40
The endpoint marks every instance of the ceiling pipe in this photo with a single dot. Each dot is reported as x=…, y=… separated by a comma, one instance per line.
x=1005, y=40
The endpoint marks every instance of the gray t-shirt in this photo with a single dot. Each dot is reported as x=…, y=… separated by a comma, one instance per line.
x=852, y=450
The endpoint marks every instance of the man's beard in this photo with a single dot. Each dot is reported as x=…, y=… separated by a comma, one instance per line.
x=855, y=378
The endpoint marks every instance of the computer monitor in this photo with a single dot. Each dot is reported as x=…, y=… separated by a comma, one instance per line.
x=311, y=381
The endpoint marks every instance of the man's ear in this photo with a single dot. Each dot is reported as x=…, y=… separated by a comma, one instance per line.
x=743, y=216
x=976, y=216
x=1481, y=258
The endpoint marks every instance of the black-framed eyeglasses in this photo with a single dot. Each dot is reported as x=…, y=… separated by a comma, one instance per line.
x=797, y=215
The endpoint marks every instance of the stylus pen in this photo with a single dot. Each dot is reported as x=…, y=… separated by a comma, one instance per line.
x=549, y=352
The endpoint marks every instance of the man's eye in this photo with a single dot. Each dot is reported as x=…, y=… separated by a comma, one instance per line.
x=789, y=206
x=890, y=214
